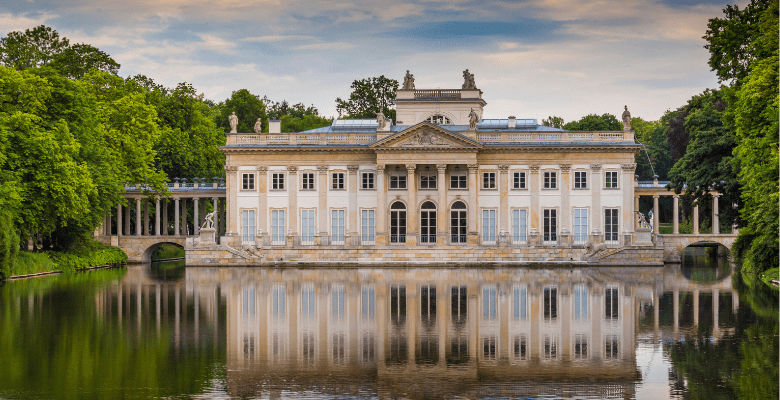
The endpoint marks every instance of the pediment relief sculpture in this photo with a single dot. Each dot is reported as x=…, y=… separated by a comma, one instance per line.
x=424, y=139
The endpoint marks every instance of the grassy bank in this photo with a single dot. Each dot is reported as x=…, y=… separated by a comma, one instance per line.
x=90, y=254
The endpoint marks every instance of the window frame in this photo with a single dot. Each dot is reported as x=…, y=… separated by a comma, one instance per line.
x=278, y=175
x=615, y=183
x=522, y=177
x=549, y=177
x=367, y=174
x=430, y=177
x=459, y=175
x=485, y=175
x=522, y=234
x=398, y=178
x=313, y=182
x=334, y=175
x=252, y=179
x=585, y=178
x=253, y=234
x=553, y=234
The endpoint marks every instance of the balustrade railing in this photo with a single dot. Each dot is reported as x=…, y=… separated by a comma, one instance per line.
x=437, y=94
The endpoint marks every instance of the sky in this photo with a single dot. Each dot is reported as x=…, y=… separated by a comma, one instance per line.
x=531, y=59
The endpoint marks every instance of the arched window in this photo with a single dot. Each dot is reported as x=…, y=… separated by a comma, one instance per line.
x=439, y=119
x=398, y=222
x=428, y=222
x=458, y=222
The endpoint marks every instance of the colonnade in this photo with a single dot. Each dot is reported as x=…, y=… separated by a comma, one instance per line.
x=676, y=213
x=716, y=331
x=143, y=213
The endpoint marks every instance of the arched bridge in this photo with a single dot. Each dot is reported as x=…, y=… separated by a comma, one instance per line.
x=675, y=244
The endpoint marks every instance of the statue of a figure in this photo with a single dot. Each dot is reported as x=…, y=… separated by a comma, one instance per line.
x=650, y=219
x=473, y=118
x=209, y=223
x=626, y=120
x=468, y=80
x=233, y=120
x=259, y=125
x=408, y=81
x=642, y=221
x=380, y=119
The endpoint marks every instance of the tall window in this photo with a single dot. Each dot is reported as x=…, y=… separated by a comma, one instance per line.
x=307, y=181
x=458, y=222
x=337, y=225
x=520, y=302
x=611, y=224
x=550, y=303
x=307, y=227
x=519, y=225
x=488, y=225
x=611, y=344
x=459, y=305
x=277, y=226
x=580, y=303
x=580, y=346
x=338, y=308
x=368, y=303
x=520, y=348
x=428, y=304
x=518, y=180
x=398, y=304
x=397, y=181
x=367, y=180
x=248, y=181
x=550, y=346
x=550, y=225
x=247, y=225
x=611, y=180
x=367, y=225
x=611, y=303
x=337, y=181
x=550, y=180
x=489, y=303
x=458, y=180
x=580, y=225
x=277, y=181
x=488, y=180
x=308, y=303
x=397, y=222
x=428, y=180
x=428, y=222
x=580, y=180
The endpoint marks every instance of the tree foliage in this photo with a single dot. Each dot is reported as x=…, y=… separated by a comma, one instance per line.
x=247, y=106
x=594, y=122
x=369, y=96
x=553, y=121
x=655, y=149
x=296, y=117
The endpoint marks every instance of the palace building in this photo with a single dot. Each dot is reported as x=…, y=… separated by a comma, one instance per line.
x=441, y=183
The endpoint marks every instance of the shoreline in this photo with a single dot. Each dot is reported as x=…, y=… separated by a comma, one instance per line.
x=48, y=273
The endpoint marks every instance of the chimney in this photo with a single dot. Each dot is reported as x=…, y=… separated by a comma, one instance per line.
x=512, y=122
x=274, y=126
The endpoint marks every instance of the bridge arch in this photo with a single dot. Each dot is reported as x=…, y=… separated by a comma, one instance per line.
x=675, y=244
x=149, y=252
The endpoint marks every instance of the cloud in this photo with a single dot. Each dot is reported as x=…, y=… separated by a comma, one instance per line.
x=325, y=46
x=277, y=38
x=11, y=23
x=215, y=43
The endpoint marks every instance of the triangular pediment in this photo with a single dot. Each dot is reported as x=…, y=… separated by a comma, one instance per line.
x=425, y=136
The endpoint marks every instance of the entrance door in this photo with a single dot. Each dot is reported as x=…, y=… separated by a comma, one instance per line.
x=307, y=227
x=398, y=222
x=458, y=222
x=428, y=222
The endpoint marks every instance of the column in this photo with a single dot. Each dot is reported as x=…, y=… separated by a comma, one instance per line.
x=176, y=216
x=138, y=217
x=676, y=216
x=157, y=217
x=676, y=310
x=215, y=209
x=715, y=216
x=195, y=216
x=127, y=218
x=627, y=187
x=636, y=208
x=165, y=217
x=473, y=235
x=565, y=221
x=696, y=219
x=715, y=313
x=292, y=173
x=146, y=218
x=185, y=232
x=655, y=213
x=696, y=307
x=322, y=191
x=533, y=213
x=442, y=212
x=412, y=209
x=381, y=206
x=595, y=199
x=119, y=219
x=231, y=190
x=108, y=224
x=354, y=214
x=503, y=187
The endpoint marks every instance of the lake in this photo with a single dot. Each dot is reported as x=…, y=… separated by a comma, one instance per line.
x=689, y=330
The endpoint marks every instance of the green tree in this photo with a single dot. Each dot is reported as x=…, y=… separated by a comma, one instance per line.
x=296, y=117
x=247, y=106
x=300, y=124
x=553, y=121
x=368, y=97
x=75, y=61
x=593, y=122
x=655, y=149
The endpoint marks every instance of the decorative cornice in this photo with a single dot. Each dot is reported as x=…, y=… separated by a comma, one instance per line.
x=565, y=168
x=503, y=168
x=353, y=169
x=595, y=167
x=534, y=168
x=292, y=169
x=628, y=167
x=473, y=168
x=322, y=169
x=231, y=168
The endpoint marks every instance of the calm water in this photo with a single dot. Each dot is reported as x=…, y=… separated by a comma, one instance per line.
x=689, y=331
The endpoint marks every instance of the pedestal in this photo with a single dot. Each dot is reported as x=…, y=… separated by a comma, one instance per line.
x=207, y=236
x=644, y=237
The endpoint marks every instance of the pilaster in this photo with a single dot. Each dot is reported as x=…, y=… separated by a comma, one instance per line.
x=441, y=215
x=322, y=190
x=262, y=206
x=353, y=217
x=503, y=187
x=595, y=192
x=627, y=186
x=292, y=172
x=534, y=183
x=565, y=201
x=411, y=213
x=231, y=188
x=473, y=236
x=381, y=206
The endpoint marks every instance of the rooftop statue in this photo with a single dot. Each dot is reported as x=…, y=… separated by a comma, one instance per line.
x=233, y=120
x=408, y=81
x=468, y=80
x=626, y=120
x=380, y=119
x=473, y=118
x=259, y=125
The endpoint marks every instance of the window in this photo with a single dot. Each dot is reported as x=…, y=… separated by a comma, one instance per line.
x=580, y=303
x=458, y=222
x=367, y=223
x=277, y=227
x=398, y=304
x=611, y=181
x=580, y=225
x=337, y=181
x=458, y=180
x=248, y=181
x=398, y=181
x=489, y=303
x=368, y=180
x=611, y=303
x=277, y=181
x=580, y=346
x=307, y=227
x=428, y=223
x=488, y=180
x=337, y=225
x=438, y=119
x=368, y=303
x=550, y=303
x=550, y=225
x=520, y=347
x=459, y=305
x=489, y=347
x=307, y=181
x=520, y=302
x=518, y=180
x=488, y=225
x=580, y=180
x=308, y=303
x=398, y=222
x=550, y=180
x=247, y=225
x=550, y=347
x=611, y=344
x=519, y=225
x=428, y=180
x=611, y=224
x=428, y=304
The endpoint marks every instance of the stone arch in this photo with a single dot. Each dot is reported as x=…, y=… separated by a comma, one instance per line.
x=453, y=119
x=147, y=254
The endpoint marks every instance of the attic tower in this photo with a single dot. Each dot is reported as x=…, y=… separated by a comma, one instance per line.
x=438, y=106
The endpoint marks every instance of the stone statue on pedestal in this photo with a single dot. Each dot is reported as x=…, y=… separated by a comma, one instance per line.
x=626, y=120
x=408, y=81
x=233, y=120
x=380, y=119
x=259, y=125
x=209, y=222
x=468, y=80
x=473, y=118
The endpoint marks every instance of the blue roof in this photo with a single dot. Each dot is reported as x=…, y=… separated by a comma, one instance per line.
x=485, y=125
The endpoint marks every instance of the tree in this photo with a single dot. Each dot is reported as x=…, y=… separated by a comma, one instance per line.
x=369, y=96
x=593, y=122
x=295, y=124
x=652, y=135
x=553, y=121
x=75, y=61
x=247, y=106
